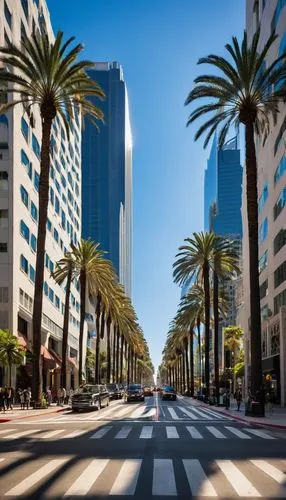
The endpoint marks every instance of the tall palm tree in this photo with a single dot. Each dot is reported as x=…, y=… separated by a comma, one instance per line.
x=65, y=272
x=11, y=352
x=46, y=75
x=244, y=91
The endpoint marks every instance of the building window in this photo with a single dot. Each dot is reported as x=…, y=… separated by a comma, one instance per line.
x=3, y=181
x=33, y=242
x=34, y=212
x=63, y=220
x=49, y=225
x=36, y=180
x=32, y=274
x=280, y=170
x=3, y=294
x=263, y=230
x=58, y=186
x=36, y=146
x=279, y=240
x=3, y=219
x=56, y=235
x=51, y=266
x=47, y=260
x=3, y=247
x=25, y=231
x=24, y=196
x=52, y=196
x=51, y=295
x=279, y=300
x=46, y=289
x=57, y=302
x=24, y=265
x=263, y=289
x=8, y=15
x=280, y=274
x=263, y=198
x=280, y=203
x=263, y=261
x=52, y=172
x=25, y=128
x=57, y=205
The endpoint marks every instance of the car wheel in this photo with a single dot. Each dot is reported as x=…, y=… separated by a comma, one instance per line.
x=75, y=410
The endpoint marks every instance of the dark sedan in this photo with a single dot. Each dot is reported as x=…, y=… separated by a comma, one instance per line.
x=168, y=393
x=134, y=392
x=115, y=392
x=90, y=397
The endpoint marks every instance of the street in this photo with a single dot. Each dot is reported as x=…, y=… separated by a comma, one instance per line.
x=145, y=450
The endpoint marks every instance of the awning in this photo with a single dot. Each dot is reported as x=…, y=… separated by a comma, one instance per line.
x=51, y=360
x=73, y=362
x=22, y=341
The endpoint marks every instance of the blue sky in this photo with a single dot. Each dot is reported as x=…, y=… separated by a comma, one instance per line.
x=158, y=43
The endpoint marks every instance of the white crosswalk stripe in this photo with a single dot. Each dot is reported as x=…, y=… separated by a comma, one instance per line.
x=74, y=434
x=146, y=432
x=215, y=432
x=21, y=434
x=194, y=432
x=173, y=413
x=239, y=482
x=271, y=471
x=123, y=433
x=237, y=432
x=202, y=414
x=126, y=481
x=6, y=431
x=188, y=413
x=51, y=434
x=259, y=433
x=172, y=432
x=163, y=478
x=87, y=478
x=197, y=479
x=101, y=432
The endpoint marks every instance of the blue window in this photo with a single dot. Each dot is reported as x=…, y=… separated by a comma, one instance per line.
x=57, y=205
x=51, y=294
x=46, y=289
x=57, y=302
x=49, y=225
x=30, y=170
x=52, y=172
x=263, y=230
x=63, y=162
x=63, y=220
x=263, y=197
x=280, y=203
x=8, y=15
x=52, y=196
x=32, y=274
x=24, y=196
x=58, y=167
x=25, y=231
x=24, y=159
x=63, y=135
x=34, y=212
x=70, y=197
x=68, y=227
x=51, y=266
x=36, y=146
x=25, y=128
x=24, y=265
x=70, y=179
x=47, y=261
x=36, y=180
x=263, y=261
x=280, y=170
x=63, y=181
x=56, y=235
x=58, y=186
x=64, y=199
x=25, y=8
x=33, y=242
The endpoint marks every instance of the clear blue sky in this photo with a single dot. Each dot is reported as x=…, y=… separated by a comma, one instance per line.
x=158, y=43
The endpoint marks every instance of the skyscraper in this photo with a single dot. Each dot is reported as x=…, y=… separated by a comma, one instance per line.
x=107, y=173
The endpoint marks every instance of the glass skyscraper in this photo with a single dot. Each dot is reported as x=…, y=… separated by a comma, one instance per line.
x=107, y=173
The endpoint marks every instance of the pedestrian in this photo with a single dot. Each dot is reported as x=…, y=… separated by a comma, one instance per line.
x=64, y=395
x=49, y=396
x=227, y=399
x=269, y=405
x=2, y=400
x=59, y=396
x=27, y=398
x=22, y=399
x=238, y=397
x=9, y=398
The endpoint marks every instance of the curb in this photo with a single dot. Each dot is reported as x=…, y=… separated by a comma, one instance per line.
x=4, y=420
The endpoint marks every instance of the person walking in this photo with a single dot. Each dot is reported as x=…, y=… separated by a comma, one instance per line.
x=49, y=396
x=238, y=397
x=27, y=398
x=227, y=399
x=269, y=403
x=22, y=399
x=2, y=400
x=64, y=395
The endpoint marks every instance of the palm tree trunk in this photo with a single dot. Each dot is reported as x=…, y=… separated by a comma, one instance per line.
x=121, y=359
x=192, y=360
x=82, y=281
x=66, y=330
x=108, y=348
x=132, y=365
x=135, y=368
x=114, y=354
x=207, y=325
x=252, y=215
x=97, y=345
x=187, y=366
x=10, y=374
x=183, y=371
x=40, y=258
x=200, y=348
x=216, y=340
x=117, y=356
x=128, y=365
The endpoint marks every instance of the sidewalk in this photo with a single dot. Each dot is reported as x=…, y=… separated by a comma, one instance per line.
x=277, y=419
x=18, y=414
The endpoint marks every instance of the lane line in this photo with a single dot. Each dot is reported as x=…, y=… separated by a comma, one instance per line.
x=87, y=478
x=146, y=432
x=216, y=433
x=34, y=478
x=237, y=432
x=258, y=433
x=207, y=417
x=199, y=484
x=4, y=431
x=50, y=434
x=123, y=411
x=271, y=471
x=188, y=413
x=138, y=412
x=126, y=481
x=163, y=478
x=74, y=434
x=101, y=432
x=194, y=432
x=173, y=413
x=123, y=433
x=19, y=435
x=238, y=481
x=172, y=432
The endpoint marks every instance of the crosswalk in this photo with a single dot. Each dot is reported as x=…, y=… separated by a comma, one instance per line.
x=162, y=477
x=137, y=412
x=140, y=432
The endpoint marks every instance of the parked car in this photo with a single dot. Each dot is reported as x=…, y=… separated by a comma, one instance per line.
x=90, y=397
x=147, y=391
x=115, y=391
x=134, y=392
x=168, y=392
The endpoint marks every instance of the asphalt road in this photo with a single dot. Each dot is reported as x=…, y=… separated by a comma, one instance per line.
x=147, y=450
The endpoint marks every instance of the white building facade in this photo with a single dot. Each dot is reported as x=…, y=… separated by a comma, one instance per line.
x=20, y=141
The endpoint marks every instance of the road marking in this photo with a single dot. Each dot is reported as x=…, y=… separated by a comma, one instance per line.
x=173, y=413
x=126, y=481
x=138, y=412
x=238, y=481
x=50, y=434
x=101, y=432
x=21, y=434
x=198, y=481
x=271, y=471
x=237, y=432
x=172, y=432
x=34, y=478
x=218, y=415
x=146, y=432
x=74, y=434
x=261, y=434
x=123, y=433
x=216, y=433
x=123, y=411
x=188, y=413
x=85, y=481
x=4, y=431
x=163, y=478
x=204, y=415
x=194, y=432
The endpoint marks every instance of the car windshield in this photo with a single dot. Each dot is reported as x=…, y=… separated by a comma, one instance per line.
x=90, y=389
x=168, y=388
x=111, y=387
x=134, y=387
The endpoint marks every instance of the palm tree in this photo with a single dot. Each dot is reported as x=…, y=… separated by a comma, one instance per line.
x=232, y=341
x=244, y=92
x=65, y=271
x=46, y=75
x=11, y=352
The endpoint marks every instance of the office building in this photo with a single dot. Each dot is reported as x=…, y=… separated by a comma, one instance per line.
x=20, y=140
x=269, y=15
x=107, y=173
